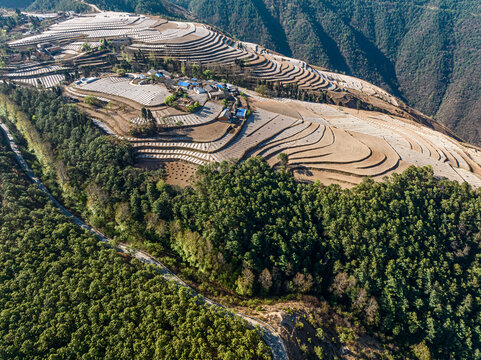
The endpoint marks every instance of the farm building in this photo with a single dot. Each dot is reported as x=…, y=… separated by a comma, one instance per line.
x=217, y=95
x=209, y=88
x=225, y=115
x=88, y=80
x=184, y=84
x=241, y=113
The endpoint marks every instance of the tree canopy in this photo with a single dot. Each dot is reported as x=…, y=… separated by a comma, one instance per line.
x=402, y=255
x=65, y=295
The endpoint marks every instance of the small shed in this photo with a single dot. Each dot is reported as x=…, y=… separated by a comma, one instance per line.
x=233, y=89
x=217, y=95
x=225, y=115
x=199, y=90
x=241, y=113
x=53, y=49
x=166, y=74
x=90, y=80
x=121, y=41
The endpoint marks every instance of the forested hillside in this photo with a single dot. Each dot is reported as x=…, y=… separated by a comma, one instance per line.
x=402, y=256
x=57, y=5
x=14, y=3
x=162, y=7
x=64, y=295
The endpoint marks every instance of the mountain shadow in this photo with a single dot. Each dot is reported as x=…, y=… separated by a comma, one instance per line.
x=274, y=28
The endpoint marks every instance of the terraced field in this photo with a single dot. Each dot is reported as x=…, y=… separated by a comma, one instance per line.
x=322, y=142
x=185, y=41
x=334, y=145
x=38, y=74
x=147, y=95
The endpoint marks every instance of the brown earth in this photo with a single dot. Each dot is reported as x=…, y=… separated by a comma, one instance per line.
x=177, y=173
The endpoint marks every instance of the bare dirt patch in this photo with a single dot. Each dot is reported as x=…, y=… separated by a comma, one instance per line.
x=204, y=133
x=288, y=108
x=116, y=116
x=177, y=173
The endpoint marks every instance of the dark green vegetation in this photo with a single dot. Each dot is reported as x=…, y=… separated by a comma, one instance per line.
x=64, y=295
x=134, y=6
x=163, y=7
x=58, y=5
x=15, y=3
x=45, y=5
x=403, y=256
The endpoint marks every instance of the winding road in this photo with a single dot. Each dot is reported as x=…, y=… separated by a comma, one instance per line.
x=268, y=333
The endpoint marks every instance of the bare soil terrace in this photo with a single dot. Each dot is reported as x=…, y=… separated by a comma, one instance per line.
x=329, y=143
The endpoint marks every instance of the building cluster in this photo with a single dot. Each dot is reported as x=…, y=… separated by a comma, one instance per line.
x=213, y=89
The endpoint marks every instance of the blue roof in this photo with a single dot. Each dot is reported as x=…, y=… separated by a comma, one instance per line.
x=183, y=83
x=220, y=86
x=195, y=84
x=194, y=79
x=158, y=74
x=241, y=112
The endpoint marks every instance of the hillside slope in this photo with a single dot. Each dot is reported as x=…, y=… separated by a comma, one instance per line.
x=426, y=52
x=162, y=7
x=91, y=295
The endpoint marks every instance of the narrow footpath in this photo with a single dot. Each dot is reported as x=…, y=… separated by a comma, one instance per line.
x=270, y=336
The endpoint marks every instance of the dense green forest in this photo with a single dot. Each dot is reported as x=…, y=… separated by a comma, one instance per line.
x=162, y=7
x=45, y=5
x=402, y=255
x=58, y=5
x=15, y=3
x=65, y=295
